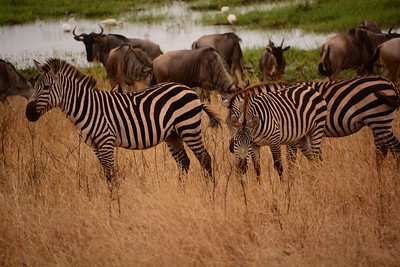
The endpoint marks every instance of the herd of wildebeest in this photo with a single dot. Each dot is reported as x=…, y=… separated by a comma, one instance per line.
x=271, y=113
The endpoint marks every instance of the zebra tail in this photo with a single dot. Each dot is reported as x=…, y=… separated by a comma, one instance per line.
x=215, y=121
x=390, y=100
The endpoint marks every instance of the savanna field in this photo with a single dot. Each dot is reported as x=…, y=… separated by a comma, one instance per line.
x=56, y=210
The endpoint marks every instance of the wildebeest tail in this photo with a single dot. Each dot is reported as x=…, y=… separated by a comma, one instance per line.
x=215, y=121
x=390, y=100
x=369, y=66
x=153, y=78
x=324, y=58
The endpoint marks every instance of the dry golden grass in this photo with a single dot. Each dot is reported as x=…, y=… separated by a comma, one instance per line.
x=54, y=204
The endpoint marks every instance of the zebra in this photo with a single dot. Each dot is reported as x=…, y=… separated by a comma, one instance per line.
x=352, y=104
x=168, y=112
x=295, y=115
x=362, y=101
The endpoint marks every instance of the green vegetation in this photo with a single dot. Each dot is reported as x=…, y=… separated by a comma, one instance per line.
x=22, y=11
x=322, y=16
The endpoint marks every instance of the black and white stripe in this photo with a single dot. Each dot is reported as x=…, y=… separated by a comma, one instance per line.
x=354, y=103
x=167, y=112
x=295, y=115
x=362, y=101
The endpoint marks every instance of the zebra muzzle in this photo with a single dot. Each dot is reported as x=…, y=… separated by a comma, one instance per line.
x=31, y=113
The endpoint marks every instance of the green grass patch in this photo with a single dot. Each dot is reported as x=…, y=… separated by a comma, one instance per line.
x=320, y=16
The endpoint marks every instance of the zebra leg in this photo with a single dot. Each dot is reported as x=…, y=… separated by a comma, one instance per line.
x=394, y=147
x=194, y=140
x=255, y=156
x=106, y=158
x=175, y=145
x=383, y=145
x=276, y=156
x=291, y=155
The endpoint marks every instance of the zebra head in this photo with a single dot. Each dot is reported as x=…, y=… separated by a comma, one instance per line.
x=47, y=92
x=242, y=139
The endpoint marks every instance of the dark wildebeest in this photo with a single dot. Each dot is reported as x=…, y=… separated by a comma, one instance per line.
x=12, y=83
x=98, y=45
x=370, y=25
x=351, y=49
x=228, y=45
x=388, y=53
x=128, y=67
x=272, y=63
x=203, y=67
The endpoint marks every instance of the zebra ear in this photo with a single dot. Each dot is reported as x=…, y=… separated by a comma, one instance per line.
x=235, y=122
x=254, y=121
x=39, y=66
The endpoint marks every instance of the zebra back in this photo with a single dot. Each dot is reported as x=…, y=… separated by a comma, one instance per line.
x=356, y=102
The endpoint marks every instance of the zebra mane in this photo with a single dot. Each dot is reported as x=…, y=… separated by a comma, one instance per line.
x=255, y=90
x=57, y=65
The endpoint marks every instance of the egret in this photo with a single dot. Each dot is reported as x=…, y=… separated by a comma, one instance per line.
x=66, y=27
x=232, y=19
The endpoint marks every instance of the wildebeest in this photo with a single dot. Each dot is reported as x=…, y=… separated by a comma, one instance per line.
x=351, y=49
x=228, y=45
x=12, y=82
x=203, y=67
x=98, y=45
x=272, y=63
x=370, y=25
x=388, y=53
x=128, y=67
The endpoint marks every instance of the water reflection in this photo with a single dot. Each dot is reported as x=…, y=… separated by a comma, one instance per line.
x=43, y=39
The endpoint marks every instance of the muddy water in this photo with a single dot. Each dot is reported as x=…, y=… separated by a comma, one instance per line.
x=43, y=39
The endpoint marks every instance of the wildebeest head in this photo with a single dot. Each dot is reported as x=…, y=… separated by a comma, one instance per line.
x=277, y=51
x=12, y=82
x=272, y=62
x=370, y=25
x=89, y=41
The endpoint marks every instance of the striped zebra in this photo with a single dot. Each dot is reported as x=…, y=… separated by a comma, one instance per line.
x=167, y=112
x=362, y=101
x=295, y=115
x=354, y=103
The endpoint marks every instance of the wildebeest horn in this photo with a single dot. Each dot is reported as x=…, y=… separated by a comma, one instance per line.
x=101, y=29
x=282, y=41
x=271, y=43
x=390, y=30
x=77, y=37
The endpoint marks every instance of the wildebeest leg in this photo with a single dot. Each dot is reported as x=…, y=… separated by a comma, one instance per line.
x=276, y=156
x=236, y=71
x=175, y=145
x=396, y=73
x=255, y=156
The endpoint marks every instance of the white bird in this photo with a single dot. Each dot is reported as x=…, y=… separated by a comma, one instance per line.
x=111, y=22
x=232, y=19
x=224, y=9
x=66, y=27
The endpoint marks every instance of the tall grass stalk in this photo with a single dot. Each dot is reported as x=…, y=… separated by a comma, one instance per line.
x=342, y=211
